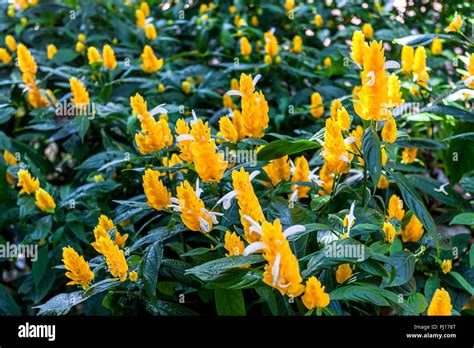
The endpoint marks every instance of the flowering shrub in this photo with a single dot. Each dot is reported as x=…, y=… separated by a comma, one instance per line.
x=283, y=158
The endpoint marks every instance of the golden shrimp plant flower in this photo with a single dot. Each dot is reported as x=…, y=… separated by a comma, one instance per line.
x=315, y=295
x=343, y=273
x=359, y=47
x=5, y=57
x=301, y=174
x=271, y=44
x=334, y=153
x=233, y=244
x=44, y=201
x=389, y=232
x=114, y=257
x=209, y=163
x=455, y=25
x=413, y=230
x=11, y=43
x=440, y=303
x=317, y=107
x=150, y=63
x=51, y=51
x=278, y=170
x=80, y=96
x=446, y=265
x=420, y=74
x=408, y=57
x=78, y=269
x=395, y=208
x=150, y=32
x=110, y=62
x=93, y=55
x=28, y=183
x=245, y=47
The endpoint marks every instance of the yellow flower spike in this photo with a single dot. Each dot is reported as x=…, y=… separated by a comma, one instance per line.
x=11, y=43
x=186, y=87
x=335, y=106
x=297, y=44
x=110, y=63
x=395, y=208
x=10, y=158
x=383, y=182
x=120, y=239
x=394, y=92
x=182, y=129
x=409, y=155
x=140, y=19
x=254, y=21
x=318, y=21
x=139, y=105
x=408, y=57
x=446, y=266
x=271, y=44
x=327, y=180
x=150, y=32
x=436, y=46
x=114, y=258
x=327, y=62
x=335, y=153
x=343, y=119
x=209, y=164
x=301, y=174
x=51, y=51
x=389, y=131
x=314, y=294
x=80, y=47
x=5, y=57
x=26, y=61
x=254, y=114
x=440, y=303
x=81, y=38
x=44, y=201
x=267, y=59
x=359, y=47
x=227, y=129
x=356, y=146
x=80, y=96
x=234, y=83
x=161, y=88
x=106, y=223
x=420, y=73
x=368, y=30
x=77, y=268
x=343, y=273
x=93, y=55
x=27, y=183
x=233, y=244
x=278, y=170
x=317, y=107
x=150, y=64
x=413, y=230
x=245, y=47
x=455, y=24
x=289, y=5
x=145, y=8
x=248, y=203
x=133, y=276
x=193, y=212
x=98, y=178
x=389, y=232
x=232, y=9
x=201, y=132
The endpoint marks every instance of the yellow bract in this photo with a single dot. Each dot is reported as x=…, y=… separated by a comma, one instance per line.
x=440, y=303
x=78, y=269
x=27, y=183
x=156, y=193
x=150, y=64
x=314, y=294
x=44, y=201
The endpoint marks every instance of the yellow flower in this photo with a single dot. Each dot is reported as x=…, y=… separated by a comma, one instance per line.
x=78, y=269
x=455, y=24
x=343, y=119
x=182, y=129
x=436, y=46
x=120, y=239
x=289, y=4
x=408, y=57
x=469, y=78
x=318, y=21
x=150, y=31
x=140, y=18
x=327, y=179
x=110, y=63
x=440, y=303
x=356, y=146
x=81, y=38
x=314, y=294
x=80, y=96
x=10, y=42
x=133, y=276
x=335, y=106
x=98, y=178
x=24, y=21
x=232, y=9
x=446, y=266
x=80, y=47
x=233, y=244
x=161, y=88
x=297, y=44
x=389, y=131
x=394, y=93
x=368, y=30
x=5, y=57
x=389, y=232
x=245, y=47
x=193, y=212
x=44, y=201
x=415, y=91
x=267, y=59
x=420, y=74
x=278, y=170
x=227, y=130
x=114, y=258
x=254, y=21
x=413, y=230
x=335, y=153
x=150, y=64
x=156, y=193
x=271, y=44
x=327, y=62
x=26, y=61
x=203, y=8
x=383, y=182
x=145, y=8
x=27, y=183
x=10, y=158
x=51, y=51
x=186, y=87
x=317, y=108
x=395, y=208
x=93, y=55
x=209, y=164
x=409, y=155
x=343, y=272
x=359, y=47
x=373, y=96
x=11, y=11
x=254, y=114
x=248, y=203
x=301, y=174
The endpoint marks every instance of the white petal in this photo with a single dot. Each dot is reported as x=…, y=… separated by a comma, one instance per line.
x=159, y=110
x=174, y=200
x=256, y=79
x=253, y=247
x=344, y=158
x=320, y=141
x=468, y=81
x=198, y=189
x=294, y=195
x=234, y=92
x=204, y=224
x=195, y=118
x=227, y=199
x=276, y=269
x=184, y=137
x=349, y=140
x=391, y=64
x=255, y=226
x=293, y=230
x=371, y=75
x=254, y=174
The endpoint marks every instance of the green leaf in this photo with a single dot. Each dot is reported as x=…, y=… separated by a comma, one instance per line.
x=452, y=111
x=421, y=143
x=215, y=268
x=461, y=281
x=358, y=293
x=420, y=39
x=404, y=264
x=229, y=302
x=8, y=305
x=463, y=219
x=268, y=296
x=82, y=124
x=431, y=284
x=283, y=147
x=6, y=113
x=150, y=267
x=239, y=279
x=64, y=55
x=467, y=181
x=432, y=187
x=39, y=267
x=418, y=302
x=372, y=154
x=415, y=204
